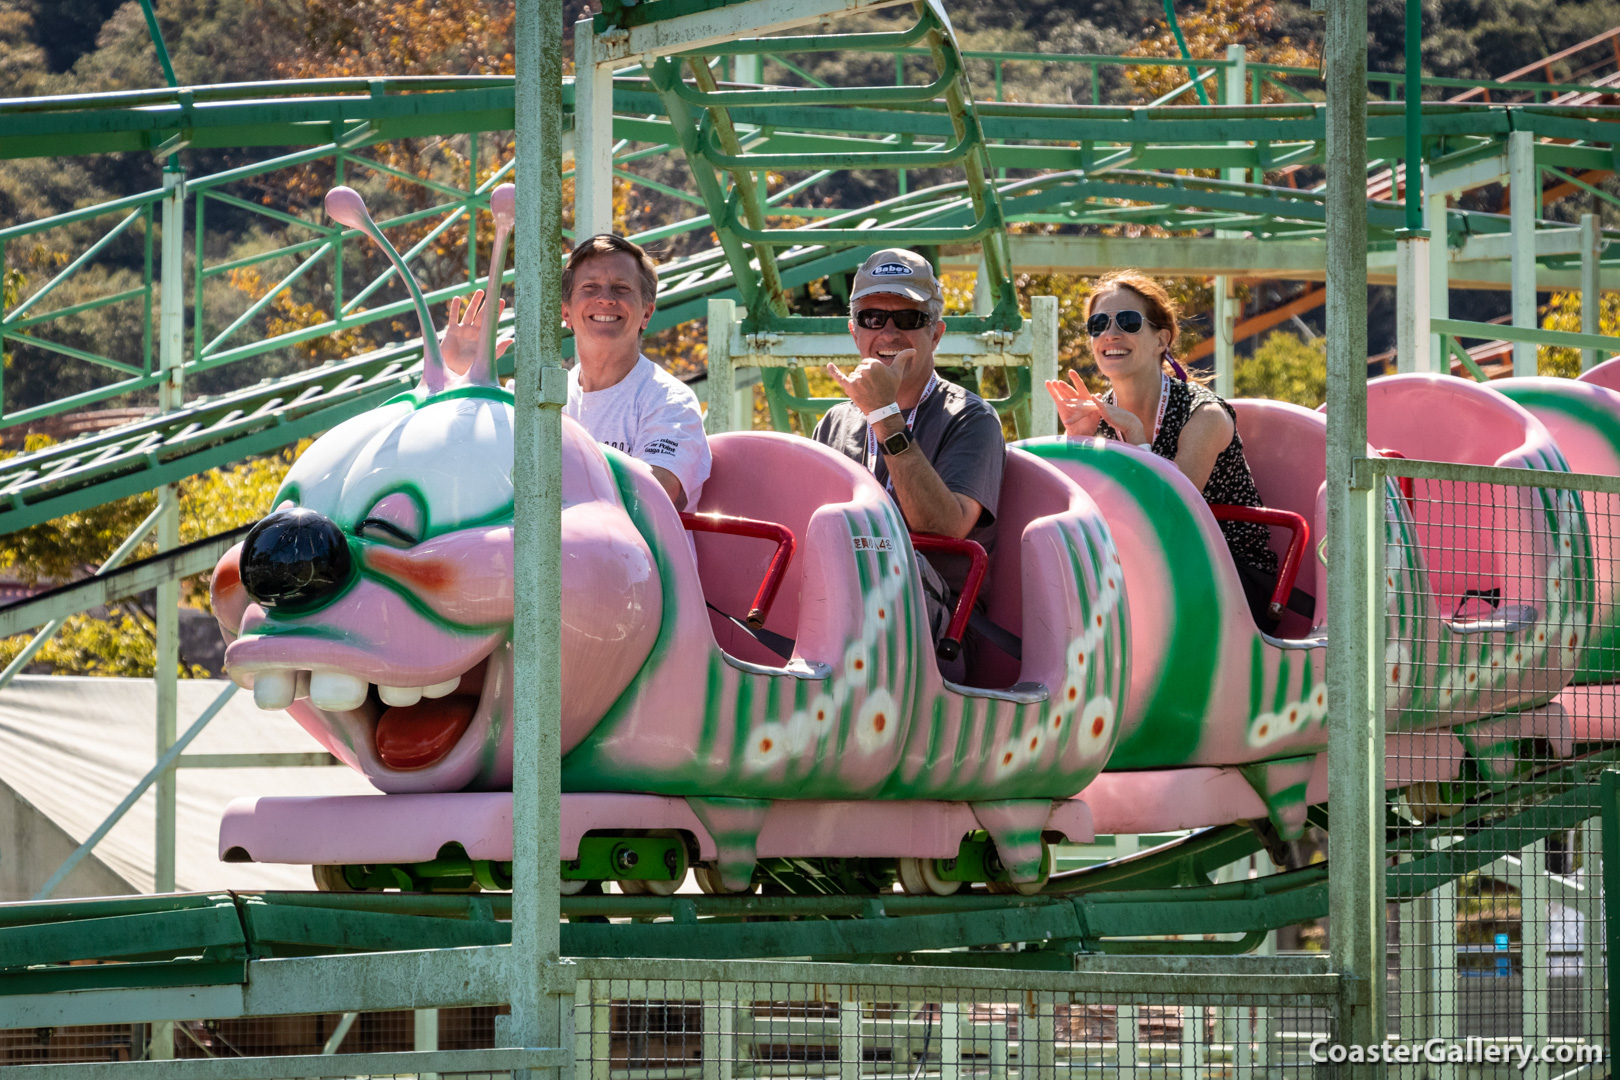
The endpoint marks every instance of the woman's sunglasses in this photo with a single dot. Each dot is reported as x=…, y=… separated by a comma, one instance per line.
x=878, y=318
x=1129, y=322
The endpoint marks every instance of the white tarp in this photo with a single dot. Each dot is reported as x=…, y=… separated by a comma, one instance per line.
x=75, y=747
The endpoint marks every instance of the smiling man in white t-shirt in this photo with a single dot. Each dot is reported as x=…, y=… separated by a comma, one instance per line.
x=622, y=398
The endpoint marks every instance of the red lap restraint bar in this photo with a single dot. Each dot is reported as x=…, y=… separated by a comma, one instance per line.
x=759, y=530
x=1408, y=488
x=950, y=646
x=1297, y=544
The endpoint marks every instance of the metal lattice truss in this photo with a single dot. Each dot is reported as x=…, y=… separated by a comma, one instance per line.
x=1036, y=187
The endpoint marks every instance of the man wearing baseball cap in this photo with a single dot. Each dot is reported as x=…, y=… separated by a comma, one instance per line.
x=935, y=446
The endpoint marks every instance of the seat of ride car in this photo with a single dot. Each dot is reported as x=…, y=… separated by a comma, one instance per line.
x=1286, y=448
x=1461, y=528
x=1606, y=374
x=769, y=476
x=1031, y=489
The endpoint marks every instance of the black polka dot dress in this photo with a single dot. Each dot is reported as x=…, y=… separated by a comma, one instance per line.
x=1230, y=482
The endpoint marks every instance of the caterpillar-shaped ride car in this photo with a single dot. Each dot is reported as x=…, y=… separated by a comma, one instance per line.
x=751, y=691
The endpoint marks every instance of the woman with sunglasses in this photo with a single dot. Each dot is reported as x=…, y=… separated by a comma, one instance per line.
x=1152, y=405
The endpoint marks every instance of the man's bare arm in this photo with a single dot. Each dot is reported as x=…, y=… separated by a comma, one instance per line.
x=929, y=506
x=672, y=487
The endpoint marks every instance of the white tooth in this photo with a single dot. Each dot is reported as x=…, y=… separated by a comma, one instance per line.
x=442, y=688
x=244, y=679
x=274, y=689
x=399, y=695
x=334, y=691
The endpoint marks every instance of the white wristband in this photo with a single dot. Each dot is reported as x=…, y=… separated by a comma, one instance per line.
x=1144, y=446
x=891, y=409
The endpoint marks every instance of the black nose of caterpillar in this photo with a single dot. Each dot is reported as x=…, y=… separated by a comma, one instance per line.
x=295, y=558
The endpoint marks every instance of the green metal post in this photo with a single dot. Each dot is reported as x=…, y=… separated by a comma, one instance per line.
x=1414, y=114
x=198, y=335
x=1043, y=363
x=1355, y=742
x=425, y=1032
x=171, y=394
x=1591, y=295
x=337, y=248
x=1224, y=302
x=1524, y=197
x=1186, y=54
x=157, y=42
x=1435, y=218
x=1610, y=813
x=1412, y=243
x=148, y=226
x=539, y=1016
x=593, y=135
x=494, y=290
x=721, y=376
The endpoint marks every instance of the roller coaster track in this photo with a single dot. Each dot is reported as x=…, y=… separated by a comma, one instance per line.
x=1106, y=167
x=200, y=939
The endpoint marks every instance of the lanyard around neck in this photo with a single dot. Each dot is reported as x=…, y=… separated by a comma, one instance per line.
x=1158, y=419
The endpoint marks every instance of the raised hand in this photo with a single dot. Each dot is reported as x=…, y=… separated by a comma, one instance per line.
x=874, y=384
x=1076, y=407
x=1081, y=412
x=463, y=334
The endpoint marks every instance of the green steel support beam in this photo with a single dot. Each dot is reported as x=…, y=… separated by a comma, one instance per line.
x=1524, y=200
x=198, y=557
x=166, y=613
x=1591, y=296
x=1354, y=546
x=539, y=989
x=404, y=1062
x=128, y=546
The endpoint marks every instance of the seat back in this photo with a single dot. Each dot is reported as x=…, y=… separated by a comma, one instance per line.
x=1286, y=448
x=770, y=477
x=1471, y=542
x=1030, y=489
x=1584, y=417
x=1606, y=375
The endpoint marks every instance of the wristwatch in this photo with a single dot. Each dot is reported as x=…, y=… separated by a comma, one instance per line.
x=898, y=443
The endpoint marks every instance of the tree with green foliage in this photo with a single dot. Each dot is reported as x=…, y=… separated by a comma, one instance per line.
x=1284, y=368
x=71, y=547
x=1563, y=312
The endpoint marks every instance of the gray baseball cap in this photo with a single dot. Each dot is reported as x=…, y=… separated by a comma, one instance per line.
x=898, y=271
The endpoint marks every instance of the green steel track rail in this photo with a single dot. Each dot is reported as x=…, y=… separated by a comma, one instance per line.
x=1099, y=165
x=202, y=939
x=730, y=176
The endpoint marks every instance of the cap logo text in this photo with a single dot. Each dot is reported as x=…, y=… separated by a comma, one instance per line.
x=891, y=270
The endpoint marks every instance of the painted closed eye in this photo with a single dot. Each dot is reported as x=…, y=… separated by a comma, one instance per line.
x=386, y=531
x=395, y=520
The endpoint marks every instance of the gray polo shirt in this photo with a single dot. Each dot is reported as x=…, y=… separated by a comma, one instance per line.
x=956, y=430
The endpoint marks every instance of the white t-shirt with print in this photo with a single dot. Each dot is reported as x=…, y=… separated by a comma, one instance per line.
x=650, y=415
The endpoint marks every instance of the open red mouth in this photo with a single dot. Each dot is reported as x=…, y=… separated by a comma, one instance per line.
x=419, y=735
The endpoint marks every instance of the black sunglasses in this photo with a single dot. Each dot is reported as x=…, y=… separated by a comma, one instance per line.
x=1129, y=322
x=878, y=318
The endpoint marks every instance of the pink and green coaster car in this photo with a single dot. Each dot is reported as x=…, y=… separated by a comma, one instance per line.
x=375, y=605
x=750, y=691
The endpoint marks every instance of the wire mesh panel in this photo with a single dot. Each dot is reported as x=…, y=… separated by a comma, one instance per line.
x=909, y=1022
x=340, y=1035
x=1502, y=709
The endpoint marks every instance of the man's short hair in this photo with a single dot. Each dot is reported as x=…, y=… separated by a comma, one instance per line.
x=607, y=244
